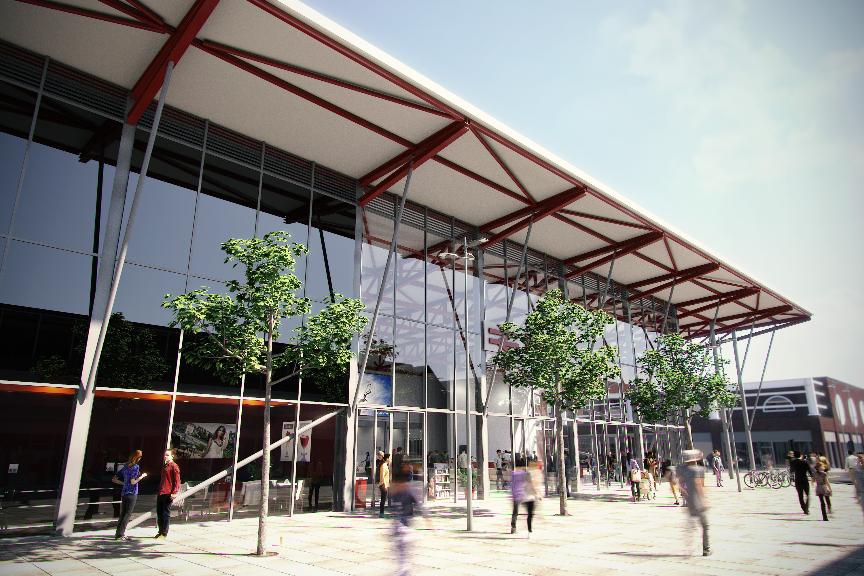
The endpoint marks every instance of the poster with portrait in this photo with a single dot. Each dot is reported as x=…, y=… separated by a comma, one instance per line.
x=199, y=440
x=304, y=449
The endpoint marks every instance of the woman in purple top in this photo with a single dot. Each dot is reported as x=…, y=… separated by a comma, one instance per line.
x=129, y=476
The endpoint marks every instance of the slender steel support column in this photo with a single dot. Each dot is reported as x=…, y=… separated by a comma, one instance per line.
x=79, y=425
x=744, y=410
x=469, y=473
x=523, y=262
x=762, y=380
x=722, y=410
x=236, y=448
x=24, y=159
x=383, y=284
x=130, y=222
x=174, y=391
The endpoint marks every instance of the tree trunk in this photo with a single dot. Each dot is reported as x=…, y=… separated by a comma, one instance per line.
x=689, y=430
x=562, y=461
x=265, y=457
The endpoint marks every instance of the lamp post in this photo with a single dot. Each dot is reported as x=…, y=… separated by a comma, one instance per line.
x=466, y=257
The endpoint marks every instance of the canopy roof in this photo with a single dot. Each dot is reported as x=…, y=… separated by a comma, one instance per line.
x=281, y=73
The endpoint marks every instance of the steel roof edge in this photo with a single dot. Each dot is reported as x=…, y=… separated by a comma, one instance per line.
x=378, y=56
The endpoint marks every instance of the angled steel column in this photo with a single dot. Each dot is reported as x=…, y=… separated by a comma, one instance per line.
x=79, y=425
x=124, y=247
x=236, y=448
x=744, y=410
x=383, y=284
x=762, y=380
x=722, y=410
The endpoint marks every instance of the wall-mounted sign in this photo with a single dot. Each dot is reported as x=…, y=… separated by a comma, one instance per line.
x=13, y=468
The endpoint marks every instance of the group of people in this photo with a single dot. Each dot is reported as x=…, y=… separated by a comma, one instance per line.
x=130, y=475
x=813, y=469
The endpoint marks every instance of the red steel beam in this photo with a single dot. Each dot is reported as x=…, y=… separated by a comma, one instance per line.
x=351, y=55
x=297, y=91
x=748, y=316
x=503, y=165
x=680, y=277
x=60, y=7
x=300, y=71
x=133, y=12
x=413, y=151
x=604, y=219
x=555, y=200
x=618, y=250
x=172, y=51
x=414, y=162
x=692, y=272
x=481, y=179
x=714, y=301
x=649, y=237
x=547, y=209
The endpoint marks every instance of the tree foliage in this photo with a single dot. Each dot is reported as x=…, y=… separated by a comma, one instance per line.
x=557, y=355
x=241, y=327
x=130, y=358
x=239, y=324
x=678, y=376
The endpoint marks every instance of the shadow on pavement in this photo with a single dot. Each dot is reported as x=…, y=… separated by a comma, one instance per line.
x=852, y=563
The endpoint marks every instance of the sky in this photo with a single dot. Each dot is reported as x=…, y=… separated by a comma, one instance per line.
x=739, y=123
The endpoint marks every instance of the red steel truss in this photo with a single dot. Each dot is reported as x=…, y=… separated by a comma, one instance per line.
x=136, y=14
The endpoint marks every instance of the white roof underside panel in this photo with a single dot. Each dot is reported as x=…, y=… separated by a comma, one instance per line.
x=229, y=96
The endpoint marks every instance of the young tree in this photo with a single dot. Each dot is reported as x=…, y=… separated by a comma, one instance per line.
x=241, y=327
x=557, y=356
x=679, y=378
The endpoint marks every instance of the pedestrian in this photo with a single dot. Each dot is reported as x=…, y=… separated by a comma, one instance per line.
x=692, y=476
x=169, y=486
x=852, y=465
x=717, y=467
x=634, y=473
x=525, y=489
x=396, y=463
x=823, y=487
x=384, y=482
x=499, y=470
x=670, y=473
x=800, y=469
x=367, y=466
x=128, y=477
x=406, y=503
x=316, y=479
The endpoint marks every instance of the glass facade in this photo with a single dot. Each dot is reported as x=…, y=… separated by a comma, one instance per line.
x=424, y=387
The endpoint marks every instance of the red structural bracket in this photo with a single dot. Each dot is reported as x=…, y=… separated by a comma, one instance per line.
x=503, y=165
x=60, y=7
x=300, y=71
x=714, y=301
x=540, y=210
x=678, y=278
x=351, y=55
x=617, y=251
x=413, y=157
x=748, y=318
x=308, y=96
x=151, y=80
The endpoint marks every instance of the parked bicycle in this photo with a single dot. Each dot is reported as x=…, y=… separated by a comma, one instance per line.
x=767, y=479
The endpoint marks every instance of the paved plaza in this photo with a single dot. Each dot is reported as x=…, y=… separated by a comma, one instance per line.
x=758, y=532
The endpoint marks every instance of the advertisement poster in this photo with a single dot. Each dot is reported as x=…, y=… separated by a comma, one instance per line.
x=304, y=449
x=198, y=440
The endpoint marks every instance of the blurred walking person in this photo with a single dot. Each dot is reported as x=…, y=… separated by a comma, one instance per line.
x=499, y=470
x=634, y=473
x=717, y=467
x=525, y=489
x=852, y=466
x=823, y=486
x=800, y=469
x=670, y=473
x=384, y=482
x=128, y=477
x=692, y=476
x=406, y=501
